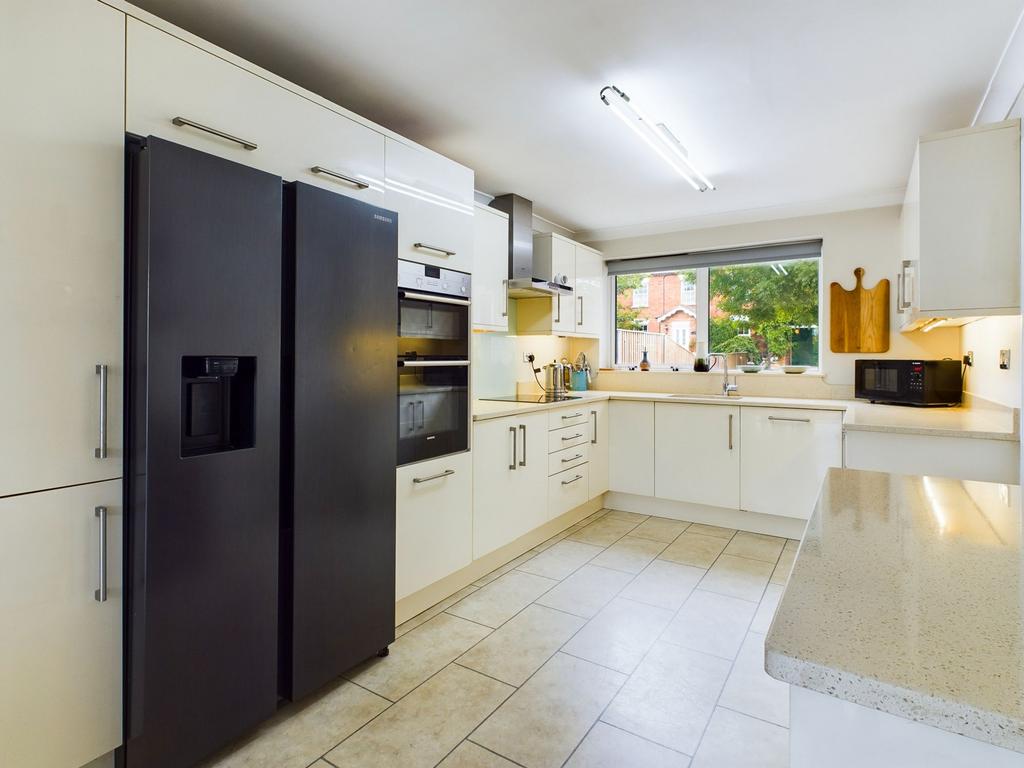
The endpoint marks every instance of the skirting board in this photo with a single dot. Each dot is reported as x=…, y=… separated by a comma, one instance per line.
x=417, y=602
x=755, y=522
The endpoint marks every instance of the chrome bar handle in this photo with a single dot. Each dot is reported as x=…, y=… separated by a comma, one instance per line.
x=340, y=177
x=572, y=458
x=558, y=308
x=101, y=450
x=593, y=439
x=433, y=363
x=435, y=248
x=906, y=302
x=787, y=418
x=730, y=431
x=504, y=286
x=573, y=416
x=182, y=121
x=522, y=428
x=581, y=311
x=515, y=448
x=571, y=437
x=438, y=476
x=570, y=482
x=101, y=593
x=433, y=298
x=899, y=292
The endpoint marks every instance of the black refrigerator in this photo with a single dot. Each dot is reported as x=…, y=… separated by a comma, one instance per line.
x=339, y=435
x=203, y=358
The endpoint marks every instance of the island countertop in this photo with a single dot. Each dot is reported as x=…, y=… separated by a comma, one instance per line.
x=907, y=596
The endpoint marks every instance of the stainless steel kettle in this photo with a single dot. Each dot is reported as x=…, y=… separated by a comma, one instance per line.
x=554, y=379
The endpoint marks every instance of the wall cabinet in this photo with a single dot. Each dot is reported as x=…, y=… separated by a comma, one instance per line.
x=510, y=471
x=60, y=643
x=434, y=200
x=599, y=455
x=434, y=509
x=61, y=244
x=631, y=447
x=559, y=259
x=490, y=269
x=961, y=227
x=784, y=456
x=590, y=294
x=697, y=453
x=266, y=126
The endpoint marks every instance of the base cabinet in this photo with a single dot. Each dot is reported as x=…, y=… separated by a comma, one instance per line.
x=631, y=447
x=434, y=535
x=510, y=470
x=963, y=458
x=784, y=456
x=599, y=450
x=697, y=454
x=60, y=640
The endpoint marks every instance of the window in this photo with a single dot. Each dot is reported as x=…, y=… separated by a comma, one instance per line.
x=750, y=303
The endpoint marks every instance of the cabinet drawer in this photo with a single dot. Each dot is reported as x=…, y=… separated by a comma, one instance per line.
x=568, y=437
x=567, y=417
x=434, y=200
x=434, y=535
x=559, y=461
x=169, y=78
x=567, y=490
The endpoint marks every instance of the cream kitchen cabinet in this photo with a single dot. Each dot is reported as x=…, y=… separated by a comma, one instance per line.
x=590, y=294
x=961, y=227
x=631, y=447
x=434, y=525
x=697, y=453
x=490, y=269
x=964, y=458
x=599, y=449
x=61, y=245
x=563, y=261
x=784, y=456
x=510, y=471
x=60, y=639
x=434, y=200
x=190, y=96
x=567, y=490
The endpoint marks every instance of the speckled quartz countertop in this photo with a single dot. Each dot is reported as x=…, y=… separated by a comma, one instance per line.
x=907, y=596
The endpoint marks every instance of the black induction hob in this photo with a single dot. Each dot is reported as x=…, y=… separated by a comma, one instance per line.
x=532, y=398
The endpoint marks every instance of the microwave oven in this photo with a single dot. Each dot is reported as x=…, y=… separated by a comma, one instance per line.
x=909, y=382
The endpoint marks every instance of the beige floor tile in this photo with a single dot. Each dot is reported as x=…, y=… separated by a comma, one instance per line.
x=694, y=549
x=561, y=559
x=485, y=580
x=426, y=725
x=738, y=577
x=587, y=591
x=470, y=755
x=766, y=608
x=751, y=690
x=630, y=554
x=670, y=697
x=660, y=529
x=711, y=623
x=632, y=517
x=712, y=530
x=756, y=546
x=431, y=612
x=298, y=735
x=610, y=747
x=541, y=724
x=418, y=654
x=521, y=646
x=664, y=584
x=738, y=741
x=620, y=635
x=548, y=543
x=781, y=573
x=502, y=599
x=604, y=531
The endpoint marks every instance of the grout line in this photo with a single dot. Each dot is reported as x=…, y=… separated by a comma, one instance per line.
x=644, y=738
x=369, y=690
x=488, y=749
x=747, y=714
x=492, y=677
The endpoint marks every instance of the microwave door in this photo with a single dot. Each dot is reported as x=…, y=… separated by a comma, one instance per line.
x=883, y=382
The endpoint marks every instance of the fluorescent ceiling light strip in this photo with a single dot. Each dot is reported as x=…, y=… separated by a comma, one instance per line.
x=669, y=139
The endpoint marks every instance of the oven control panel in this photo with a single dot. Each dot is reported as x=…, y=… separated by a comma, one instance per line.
x=430, y=279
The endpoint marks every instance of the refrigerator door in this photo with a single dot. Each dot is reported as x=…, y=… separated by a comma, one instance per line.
x=202, y=486
x=339, y=442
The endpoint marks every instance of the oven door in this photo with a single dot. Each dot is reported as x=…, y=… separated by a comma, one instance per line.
x=433, y=409
x=884, y=381
x=432, y=326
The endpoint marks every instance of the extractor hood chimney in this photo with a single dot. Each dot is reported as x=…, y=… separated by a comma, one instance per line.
x=523, y=280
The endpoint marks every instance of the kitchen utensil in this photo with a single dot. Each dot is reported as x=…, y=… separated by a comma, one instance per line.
x=859, y=318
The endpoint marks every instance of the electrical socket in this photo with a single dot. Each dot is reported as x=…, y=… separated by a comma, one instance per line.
x=969, y=359
x=1004, y=359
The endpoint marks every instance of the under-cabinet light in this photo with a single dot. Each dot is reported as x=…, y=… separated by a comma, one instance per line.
x=657, y=136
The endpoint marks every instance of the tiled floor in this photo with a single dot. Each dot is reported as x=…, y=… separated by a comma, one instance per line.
x=623, y=641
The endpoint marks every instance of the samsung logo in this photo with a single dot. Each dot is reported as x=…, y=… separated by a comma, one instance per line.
x=385, y=219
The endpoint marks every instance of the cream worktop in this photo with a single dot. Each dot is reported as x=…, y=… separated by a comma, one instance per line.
x=980, y=421
x=906, y=597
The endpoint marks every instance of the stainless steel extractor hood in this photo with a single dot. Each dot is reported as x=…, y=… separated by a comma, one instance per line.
x=523, y=280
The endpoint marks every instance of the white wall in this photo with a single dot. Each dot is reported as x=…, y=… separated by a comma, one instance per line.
x=868, y=238
x=985, y=379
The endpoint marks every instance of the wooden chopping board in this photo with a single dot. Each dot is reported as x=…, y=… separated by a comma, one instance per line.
x=859, y=318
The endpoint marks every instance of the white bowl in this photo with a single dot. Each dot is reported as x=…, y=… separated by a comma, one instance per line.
x=750, y=368
x=794, y=368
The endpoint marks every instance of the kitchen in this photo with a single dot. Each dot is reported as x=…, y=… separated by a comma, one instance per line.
x=636, y=492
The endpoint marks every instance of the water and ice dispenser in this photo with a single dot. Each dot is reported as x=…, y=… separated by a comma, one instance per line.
x=217, y=404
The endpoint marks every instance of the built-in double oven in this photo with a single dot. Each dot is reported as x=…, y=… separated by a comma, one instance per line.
x=434, y=329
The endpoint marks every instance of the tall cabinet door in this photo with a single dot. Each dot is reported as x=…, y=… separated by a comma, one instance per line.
x=490, y=269
x=589, y=293
x=61, y=240
x=60, y=643
x=697, y=453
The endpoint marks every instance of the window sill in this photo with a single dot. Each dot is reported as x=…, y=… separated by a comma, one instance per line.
x=813, y=372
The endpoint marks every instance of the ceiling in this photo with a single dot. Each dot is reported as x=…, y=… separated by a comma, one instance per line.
x=787, y=105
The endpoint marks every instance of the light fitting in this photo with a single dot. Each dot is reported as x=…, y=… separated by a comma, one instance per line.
x=657, y=136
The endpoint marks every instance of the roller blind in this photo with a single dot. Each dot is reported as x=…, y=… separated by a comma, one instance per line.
x=673, y=262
